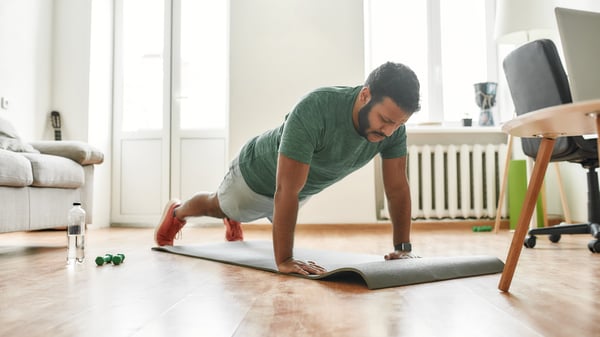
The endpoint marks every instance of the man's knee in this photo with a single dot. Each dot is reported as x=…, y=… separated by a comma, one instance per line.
x=215, y=206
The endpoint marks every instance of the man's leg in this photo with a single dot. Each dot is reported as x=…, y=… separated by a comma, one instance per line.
x=169, y=225
x=175, y=213
x=203, y=204
x=234, y=202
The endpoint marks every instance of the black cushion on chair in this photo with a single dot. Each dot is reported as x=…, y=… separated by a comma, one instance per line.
x=537, y=80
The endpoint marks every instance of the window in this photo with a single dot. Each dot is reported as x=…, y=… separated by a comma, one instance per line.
x=449, y=45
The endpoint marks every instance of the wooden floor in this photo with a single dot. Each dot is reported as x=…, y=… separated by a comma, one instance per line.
x=555, y=292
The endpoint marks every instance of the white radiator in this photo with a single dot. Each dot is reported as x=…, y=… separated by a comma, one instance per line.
x=454, y=181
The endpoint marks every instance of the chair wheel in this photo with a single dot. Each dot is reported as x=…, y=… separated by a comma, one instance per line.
x=530, y=241
x=554, y=238
x=594, y=246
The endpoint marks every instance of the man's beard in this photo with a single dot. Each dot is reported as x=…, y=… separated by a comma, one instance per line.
x=363, y=121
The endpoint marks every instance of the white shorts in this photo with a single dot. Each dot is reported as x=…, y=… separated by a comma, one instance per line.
x=239, y=202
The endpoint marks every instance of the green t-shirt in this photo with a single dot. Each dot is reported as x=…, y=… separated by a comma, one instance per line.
x=319, y=132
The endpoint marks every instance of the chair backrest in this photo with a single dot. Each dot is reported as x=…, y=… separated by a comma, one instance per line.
x=537, y=79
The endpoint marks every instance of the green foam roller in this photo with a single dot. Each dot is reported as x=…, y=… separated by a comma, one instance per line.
x=517, y=188
x=482, y=228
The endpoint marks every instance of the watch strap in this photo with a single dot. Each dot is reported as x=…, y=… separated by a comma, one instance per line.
x=403, y=247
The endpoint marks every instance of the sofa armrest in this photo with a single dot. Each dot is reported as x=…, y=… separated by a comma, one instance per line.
x=81, y=152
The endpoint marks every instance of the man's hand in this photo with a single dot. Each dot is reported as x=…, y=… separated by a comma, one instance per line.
x=291, y=266
x=401, y=255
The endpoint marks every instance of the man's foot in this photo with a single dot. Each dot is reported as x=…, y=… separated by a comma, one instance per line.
x=233, y=230
x=169, y=225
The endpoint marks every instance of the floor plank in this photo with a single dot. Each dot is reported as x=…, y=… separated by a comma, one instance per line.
x=555, y=291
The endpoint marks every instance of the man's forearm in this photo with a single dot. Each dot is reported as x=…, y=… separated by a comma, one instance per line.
x=400, y=215
x=285, y=215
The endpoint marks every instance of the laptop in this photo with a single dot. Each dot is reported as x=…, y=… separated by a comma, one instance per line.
x=580, y=38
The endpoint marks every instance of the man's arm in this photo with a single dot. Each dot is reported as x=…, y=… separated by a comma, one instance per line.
x=397, y=191
x=291, y=177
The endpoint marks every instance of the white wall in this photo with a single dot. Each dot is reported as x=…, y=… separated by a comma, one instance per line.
x=71, y=66
x=100, y=104
x=82, y=84
x=25, y=64
x=280, y=50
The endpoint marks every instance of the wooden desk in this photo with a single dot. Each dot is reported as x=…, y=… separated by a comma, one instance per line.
x=573, y=119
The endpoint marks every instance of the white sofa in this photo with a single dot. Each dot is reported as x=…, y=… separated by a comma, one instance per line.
x=39, y=181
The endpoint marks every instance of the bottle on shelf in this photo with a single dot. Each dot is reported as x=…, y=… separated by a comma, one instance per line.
x=76, y=234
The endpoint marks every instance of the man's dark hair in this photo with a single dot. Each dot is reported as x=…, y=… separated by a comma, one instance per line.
x=398, y=82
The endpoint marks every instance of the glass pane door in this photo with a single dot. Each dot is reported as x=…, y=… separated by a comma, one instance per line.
x=200, y=96
x=203, y=64
x=171, y=103
x=142, y=64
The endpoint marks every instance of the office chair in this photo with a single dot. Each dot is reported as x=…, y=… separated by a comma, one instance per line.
x=537, y=79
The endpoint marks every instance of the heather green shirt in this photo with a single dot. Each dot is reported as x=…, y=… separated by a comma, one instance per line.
x=319, y=132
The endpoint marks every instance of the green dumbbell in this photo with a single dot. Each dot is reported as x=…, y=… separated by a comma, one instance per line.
x=100, y=260
x=118, y=259
x=482, y=228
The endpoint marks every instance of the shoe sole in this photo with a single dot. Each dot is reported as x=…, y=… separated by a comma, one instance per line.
x=162, y=218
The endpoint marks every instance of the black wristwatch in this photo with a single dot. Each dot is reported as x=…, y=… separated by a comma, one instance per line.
x=403, y=247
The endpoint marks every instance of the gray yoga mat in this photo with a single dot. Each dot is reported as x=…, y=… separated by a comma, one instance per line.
x=373, y=269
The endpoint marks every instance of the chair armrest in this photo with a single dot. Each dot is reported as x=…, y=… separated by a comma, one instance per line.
x=81, y=152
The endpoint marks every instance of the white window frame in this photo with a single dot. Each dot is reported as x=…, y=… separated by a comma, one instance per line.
x=434, y=80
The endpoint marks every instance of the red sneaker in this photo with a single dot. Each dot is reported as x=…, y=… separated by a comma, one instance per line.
x=233, y=230
x=169, y=225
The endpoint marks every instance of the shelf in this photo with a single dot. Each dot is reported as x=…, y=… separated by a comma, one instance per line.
x=445, y=135
x=413, y=129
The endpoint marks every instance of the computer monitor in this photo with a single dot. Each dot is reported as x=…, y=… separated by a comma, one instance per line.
x=580, y=38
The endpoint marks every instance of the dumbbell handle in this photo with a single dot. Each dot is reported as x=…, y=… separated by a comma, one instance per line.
x=100, y=260
x=118, y=259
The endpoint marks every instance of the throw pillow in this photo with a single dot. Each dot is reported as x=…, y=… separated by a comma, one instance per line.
x=16, y=145
x=9, y=139
x=7, y=130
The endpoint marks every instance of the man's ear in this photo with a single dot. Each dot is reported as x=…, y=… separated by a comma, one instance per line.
x=365, y=95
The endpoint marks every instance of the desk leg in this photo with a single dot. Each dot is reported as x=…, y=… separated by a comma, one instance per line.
x=535, y=184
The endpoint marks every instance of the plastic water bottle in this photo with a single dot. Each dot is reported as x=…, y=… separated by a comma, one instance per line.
x=76, y=234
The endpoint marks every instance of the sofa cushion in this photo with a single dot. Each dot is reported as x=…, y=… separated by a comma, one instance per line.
x=15, y=169
x=55, y=171
x=83, y=153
